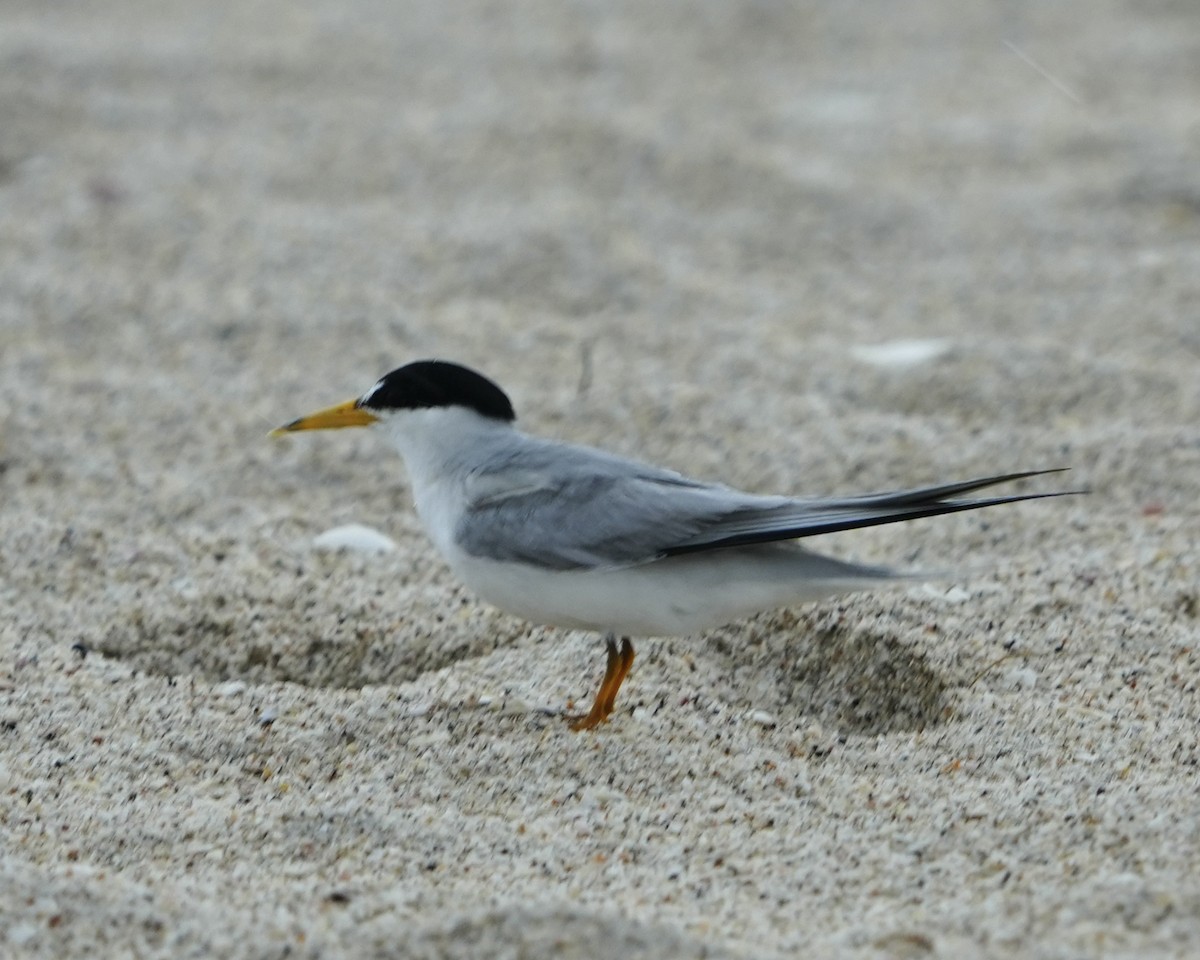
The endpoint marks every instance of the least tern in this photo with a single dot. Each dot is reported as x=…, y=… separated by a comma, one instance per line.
x=571, y=536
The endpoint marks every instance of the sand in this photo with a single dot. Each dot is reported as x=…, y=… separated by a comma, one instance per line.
x=681, y=231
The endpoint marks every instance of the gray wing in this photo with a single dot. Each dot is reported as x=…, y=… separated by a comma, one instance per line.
x=564, y=508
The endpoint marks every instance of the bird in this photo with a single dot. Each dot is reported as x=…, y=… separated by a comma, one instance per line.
x=571, y=536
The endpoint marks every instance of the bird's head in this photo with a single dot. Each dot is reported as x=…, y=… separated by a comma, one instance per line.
x=426, y=385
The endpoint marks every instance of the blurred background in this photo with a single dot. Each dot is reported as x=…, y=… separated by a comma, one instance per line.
x=274, y=203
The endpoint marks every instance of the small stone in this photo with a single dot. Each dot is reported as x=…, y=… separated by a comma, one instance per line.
x=898, y=354
x=356, y=538
x=762, y=718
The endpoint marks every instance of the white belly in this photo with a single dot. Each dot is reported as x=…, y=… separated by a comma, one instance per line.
x=672, y=597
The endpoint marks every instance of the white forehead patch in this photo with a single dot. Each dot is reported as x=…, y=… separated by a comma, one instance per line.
x=370, y=393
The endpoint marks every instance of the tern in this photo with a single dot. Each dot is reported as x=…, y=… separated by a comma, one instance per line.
x=574, y=537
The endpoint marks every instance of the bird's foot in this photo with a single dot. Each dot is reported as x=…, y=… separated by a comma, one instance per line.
x=619, y=661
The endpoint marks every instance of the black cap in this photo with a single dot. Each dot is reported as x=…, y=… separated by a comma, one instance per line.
x=438, y=383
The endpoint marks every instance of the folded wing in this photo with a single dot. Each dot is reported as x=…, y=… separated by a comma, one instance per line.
x=571, y=508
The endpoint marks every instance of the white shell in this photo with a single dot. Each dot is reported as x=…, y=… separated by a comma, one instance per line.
x=354, y=537
x=897, y=354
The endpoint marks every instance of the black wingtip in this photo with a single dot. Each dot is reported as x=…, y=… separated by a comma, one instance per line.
x=944, y=491
x=884, y=508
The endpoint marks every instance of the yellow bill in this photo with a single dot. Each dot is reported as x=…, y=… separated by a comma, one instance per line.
x=348, y=414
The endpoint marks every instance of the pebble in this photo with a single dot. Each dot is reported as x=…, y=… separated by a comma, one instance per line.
x=355, y=538
x=898, y=354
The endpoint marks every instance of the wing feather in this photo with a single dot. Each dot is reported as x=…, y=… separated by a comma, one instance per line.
x=809, y=518
x=565, y=508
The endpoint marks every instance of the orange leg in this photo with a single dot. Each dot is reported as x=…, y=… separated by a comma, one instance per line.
x=619, y=662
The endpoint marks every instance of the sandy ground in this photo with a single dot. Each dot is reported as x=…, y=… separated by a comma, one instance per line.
x=667, y=229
